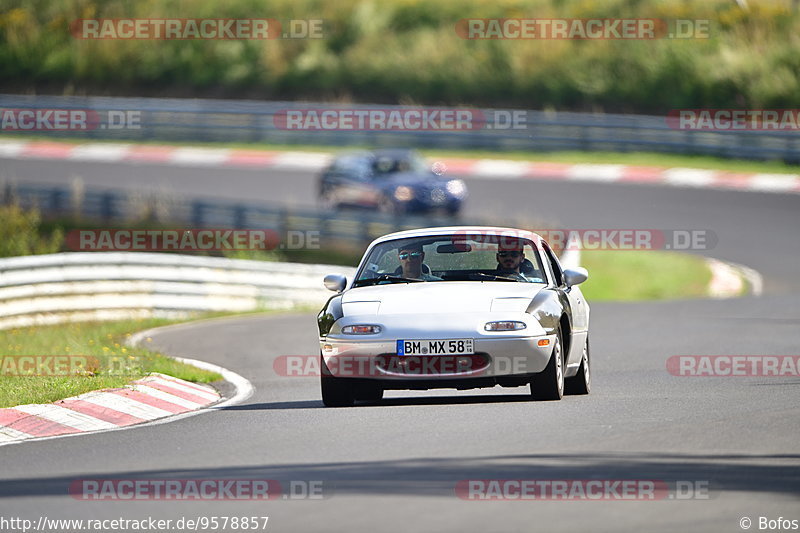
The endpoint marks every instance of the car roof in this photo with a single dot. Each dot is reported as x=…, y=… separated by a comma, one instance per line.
x=393, y=153
x=445, y=230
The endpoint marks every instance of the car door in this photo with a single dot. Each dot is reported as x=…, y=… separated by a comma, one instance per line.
x=578, y=307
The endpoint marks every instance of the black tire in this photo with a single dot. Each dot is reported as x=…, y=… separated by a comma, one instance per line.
x=336, y=392
x=549, y=383
x=369, y=393
x=454, y=212
x=581, y=383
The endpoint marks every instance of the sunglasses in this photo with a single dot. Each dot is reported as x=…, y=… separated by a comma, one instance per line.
x=406, y=255
x=509, y=254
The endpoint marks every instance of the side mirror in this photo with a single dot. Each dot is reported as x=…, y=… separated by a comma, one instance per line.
x=575, y=276
x=335, y=282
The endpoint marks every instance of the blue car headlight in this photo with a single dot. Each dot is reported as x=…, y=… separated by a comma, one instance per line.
x=457, y=188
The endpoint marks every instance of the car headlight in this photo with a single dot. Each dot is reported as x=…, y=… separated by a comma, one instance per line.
x=456, y=188
x=403, y=193
x=504, y=325
x=361, y=329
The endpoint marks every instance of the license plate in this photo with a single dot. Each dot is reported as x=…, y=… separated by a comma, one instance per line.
x=435, y=347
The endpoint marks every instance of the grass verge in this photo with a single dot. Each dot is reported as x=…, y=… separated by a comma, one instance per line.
x=635, y=275
x=111, y=364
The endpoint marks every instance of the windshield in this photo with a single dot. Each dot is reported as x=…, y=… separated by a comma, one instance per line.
x=451, y=258
x=411, y=162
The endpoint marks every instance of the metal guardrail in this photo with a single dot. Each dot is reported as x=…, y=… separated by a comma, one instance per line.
x=49, y=289
x=194, y=120
x=350, y=229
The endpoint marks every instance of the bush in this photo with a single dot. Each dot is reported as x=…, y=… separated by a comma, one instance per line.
x=407, y=51
x=20, y=233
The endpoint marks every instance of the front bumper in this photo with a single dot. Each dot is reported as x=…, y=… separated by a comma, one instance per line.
x=495, y=357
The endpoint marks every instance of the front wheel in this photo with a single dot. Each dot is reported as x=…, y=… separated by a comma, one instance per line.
x=336, y=392
x=549, y=383
x=581, y=383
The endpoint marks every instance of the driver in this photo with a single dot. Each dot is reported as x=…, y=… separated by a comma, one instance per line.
x=411, y=257
x=509, y=260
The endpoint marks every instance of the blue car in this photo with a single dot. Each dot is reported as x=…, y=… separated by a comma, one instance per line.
x=391, y=181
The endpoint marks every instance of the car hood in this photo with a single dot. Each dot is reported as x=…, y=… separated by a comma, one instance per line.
x=413, y=179
x=439, y=297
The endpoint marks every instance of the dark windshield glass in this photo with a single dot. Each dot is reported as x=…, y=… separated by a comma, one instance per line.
x=452, y=258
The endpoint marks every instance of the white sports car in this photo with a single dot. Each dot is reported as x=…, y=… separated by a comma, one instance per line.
x=455, y=307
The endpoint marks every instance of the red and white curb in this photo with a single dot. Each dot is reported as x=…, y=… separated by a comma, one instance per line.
x=731, y=280
x=475, y=168
x=151, y=398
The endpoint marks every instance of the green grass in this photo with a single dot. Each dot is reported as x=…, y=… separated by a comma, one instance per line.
x=653, y=159
x=104, y=341
x=632, y=275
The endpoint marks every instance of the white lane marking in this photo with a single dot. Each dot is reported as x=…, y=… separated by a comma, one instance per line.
x=210, y=396
x=128, y=406
x=11, y=435
x=500, y=168
x=66, y=417
x=100, y=152
x=302, y=160
x=605, y=173
x=726, y=280
x=244, y=389
x=199, y=156
x=167, y=397
x=754, y=279
x=689, y=177
x=773, y=182
x=194, y=386
x=11, y=148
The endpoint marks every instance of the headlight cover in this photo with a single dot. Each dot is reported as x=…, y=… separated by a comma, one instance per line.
x=504, y=325
x=362, y=329
x=456, y=188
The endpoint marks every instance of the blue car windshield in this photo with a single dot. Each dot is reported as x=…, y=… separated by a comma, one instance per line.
x=383, y=166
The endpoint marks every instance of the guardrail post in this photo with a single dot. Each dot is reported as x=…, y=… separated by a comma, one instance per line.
x=239, y=217
x=197, y=214
x=56, y=200
x=9, y=198
x=107, y=206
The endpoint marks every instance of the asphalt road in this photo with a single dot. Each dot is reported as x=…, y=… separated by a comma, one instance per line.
x=394, y=465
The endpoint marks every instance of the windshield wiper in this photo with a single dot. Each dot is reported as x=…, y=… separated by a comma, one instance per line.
x=492, y=277
x=384, y=277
